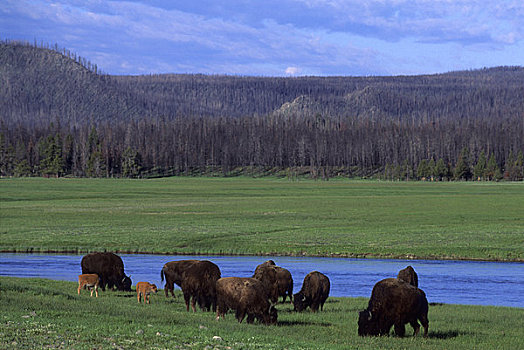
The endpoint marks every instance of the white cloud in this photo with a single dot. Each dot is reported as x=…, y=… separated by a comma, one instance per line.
x=292, y=70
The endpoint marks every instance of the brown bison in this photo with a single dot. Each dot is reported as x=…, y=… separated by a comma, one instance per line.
x=394, y=302
x=196, y=278
x=247, y=296
x=109, y=267
x=144, y=289
x=90, y=281
x=408, y=275
x=314, y=292
x=278, y=280
x=174, y=272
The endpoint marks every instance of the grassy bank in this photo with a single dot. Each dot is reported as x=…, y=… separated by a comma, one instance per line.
x=264, y=216
x=39, y=313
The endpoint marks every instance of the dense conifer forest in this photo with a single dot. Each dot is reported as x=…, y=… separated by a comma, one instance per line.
x=62, y=116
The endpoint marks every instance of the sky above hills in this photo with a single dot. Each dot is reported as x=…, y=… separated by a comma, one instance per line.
x=275, y=37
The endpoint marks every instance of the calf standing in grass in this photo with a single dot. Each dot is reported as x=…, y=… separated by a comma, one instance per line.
x=145, y=289
x=89, y=280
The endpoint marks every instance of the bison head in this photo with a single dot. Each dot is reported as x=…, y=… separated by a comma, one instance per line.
x=366, y=324
x=126, y=284
x=299, y=302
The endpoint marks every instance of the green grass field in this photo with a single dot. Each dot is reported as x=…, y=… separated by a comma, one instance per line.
x=39, y=313
x=265, y=216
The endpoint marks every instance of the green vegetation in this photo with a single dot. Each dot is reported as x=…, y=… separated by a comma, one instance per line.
x=38, y=313
x=463, y=220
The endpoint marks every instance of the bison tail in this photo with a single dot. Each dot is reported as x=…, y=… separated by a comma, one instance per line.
x=162, y=275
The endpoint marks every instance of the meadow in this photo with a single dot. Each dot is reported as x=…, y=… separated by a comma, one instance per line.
x=241, y=215
x=39, y=313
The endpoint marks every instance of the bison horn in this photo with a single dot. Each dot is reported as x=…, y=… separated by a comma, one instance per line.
x=369, y=316
x=303, y=298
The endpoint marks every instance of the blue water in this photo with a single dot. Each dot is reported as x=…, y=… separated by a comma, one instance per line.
x=451, y=282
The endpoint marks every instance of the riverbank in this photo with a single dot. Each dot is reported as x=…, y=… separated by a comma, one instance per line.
x=39, y=313
x=349, y=256
x=246, y=216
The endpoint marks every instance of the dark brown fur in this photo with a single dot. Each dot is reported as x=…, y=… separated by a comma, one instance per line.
x=199, y=285
x=109, y=267
x=247, y=296
x=174, y=273
x=314, y=292
x=408, y=275
x=278, y=280
x=394, y=302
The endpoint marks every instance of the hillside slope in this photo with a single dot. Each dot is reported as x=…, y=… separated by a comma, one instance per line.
x=39, y=84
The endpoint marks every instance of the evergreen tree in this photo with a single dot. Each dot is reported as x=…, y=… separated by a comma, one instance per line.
x=492, y=169
x=51, y=162
x=462, y=169
x=509, y=167
x=431, y=169
x=480, y=168
x=423, y=170
x=441, y=170
x=519, y=167
x=131, y=163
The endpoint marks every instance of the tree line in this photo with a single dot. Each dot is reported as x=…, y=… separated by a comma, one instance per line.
x=318, y=147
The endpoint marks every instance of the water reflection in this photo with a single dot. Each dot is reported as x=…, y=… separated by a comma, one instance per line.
x=455, y=282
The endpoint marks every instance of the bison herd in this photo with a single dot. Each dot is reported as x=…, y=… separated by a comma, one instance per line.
x=393, y=303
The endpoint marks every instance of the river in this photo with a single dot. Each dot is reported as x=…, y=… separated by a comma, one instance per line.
x=444, y=281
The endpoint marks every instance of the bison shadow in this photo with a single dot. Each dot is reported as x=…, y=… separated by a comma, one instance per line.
x=302, y=323
x=445, y=335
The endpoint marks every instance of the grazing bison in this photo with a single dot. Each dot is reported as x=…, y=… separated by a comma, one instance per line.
x=196, y=278
x=247, y=296
x=109, y=267
x=89, y=280
x=199, y=285
x=314, y=292
x=408, y=275
x=394, y=302
x=174, y=273
x=145, y=289
x=278, y=280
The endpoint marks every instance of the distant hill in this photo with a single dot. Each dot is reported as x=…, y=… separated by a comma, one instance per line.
x=38, y=84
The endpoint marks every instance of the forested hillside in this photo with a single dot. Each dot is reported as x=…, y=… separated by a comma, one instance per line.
x=62, y=116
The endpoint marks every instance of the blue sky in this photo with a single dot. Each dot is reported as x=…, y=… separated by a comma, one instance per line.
x=276, y=37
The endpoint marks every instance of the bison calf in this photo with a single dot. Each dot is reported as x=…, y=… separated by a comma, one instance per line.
x=394, y=302
x=245, y=296
x=145, y=289
x=314, y=292
x=90, y=281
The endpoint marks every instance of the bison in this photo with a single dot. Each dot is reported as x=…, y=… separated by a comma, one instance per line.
x=196, y=278
x=247, y=296
x=408, y=275
x=278, y=280
x=314, y=292
x=89, y=280
x=174, y=272
x=145, y=289
x=109, y=267
x=394, y=302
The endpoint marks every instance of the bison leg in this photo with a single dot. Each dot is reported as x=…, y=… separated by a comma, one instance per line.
x=250, y=318
x=187, y=298
x=425, y=323
x=96, y=290
x=400, y=329
x=240, y=314
x=416, y=327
